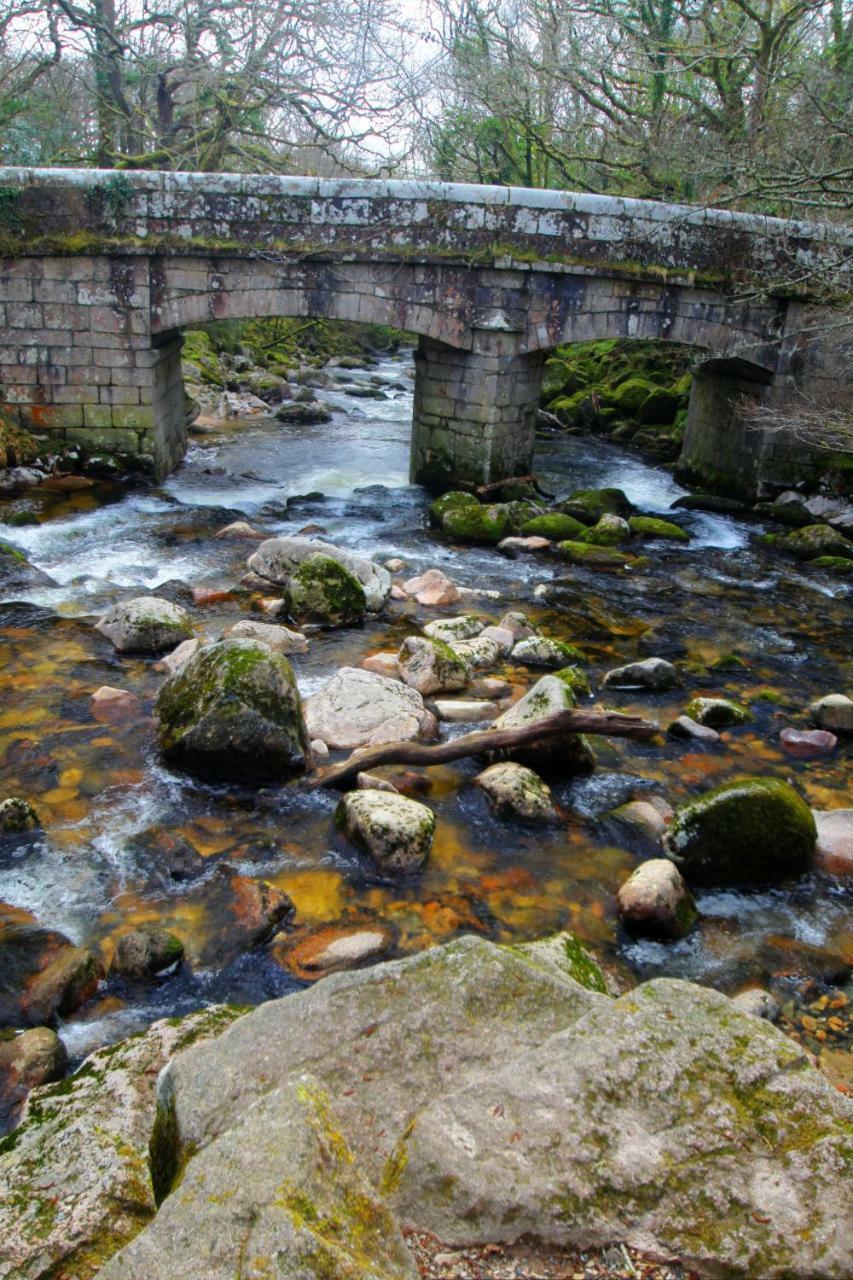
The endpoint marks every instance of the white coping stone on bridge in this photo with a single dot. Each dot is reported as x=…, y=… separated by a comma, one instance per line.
x=404, y=190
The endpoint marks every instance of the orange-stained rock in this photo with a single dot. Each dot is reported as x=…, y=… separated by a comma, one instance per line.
x=210, y=595
x=383, y=664
x=259, y=907
x=333, y=948
x=115, y=706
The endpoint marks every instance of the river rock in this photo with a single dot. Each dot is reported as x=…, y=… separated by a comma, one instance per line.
x=75, y=1183
x=370, y=782
x=233, y=711
x=717, y=713
x=334, y=948
x=489, y=687
x=17, y=574
x=643, y=818
x=652, y=673
x=516, y=546
x=567, y=754
x=549, y=1109
x=303, y=413
x=277, y=560
x=833, y=712
x=655, y=902
x=382, y=664
x=752, y=829
x=463, y=710
x=17, y=815
x=240, y=530
x=279, y=1194
x=431, y=666
x=465, y=627
x=516, y=792
x=479, y=525
x=395, y=831
x=114, y=706
x=815, y=540
x=684, y=727
x=145, y=952
x=758, y=1003
x=433, y=588
x=145, y=625
x=480, y=653
x=173, y=661
x=67, y=981
x=359, y=709
x=324, y=591
x=666, y=1069
x=27, y=1060
x=258, y=907
x=653, y=527
x=540, y=651
x=807, y=744
x=609, y=531
x=279, y=639
x=835, y=840
x=503, y=637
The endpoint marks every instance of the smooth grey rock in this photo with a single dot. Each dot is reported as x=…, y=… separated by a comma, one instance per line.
x=540, y=651
x=684, y=727
x=651, y=673
x=833, y=712
x=463, y=710
x=278, y=558
x=518, y=624
x=480, y=653
x=757, y=1002
x=654, y=901
x=146, y=951
x=360, y=708
x=278, y=1195
x=395, y=831
x=570, y=753
x=75, y=1183
x=642, y=817
x=279, y=639
x=835, y=839
x=145, y=625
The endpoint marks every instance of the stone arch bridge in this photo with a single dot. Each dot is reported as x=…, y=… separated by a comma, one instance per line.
x=101, y=270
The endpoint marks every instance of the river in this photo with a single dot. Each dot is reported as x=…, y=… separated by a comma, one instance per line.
x=108, y=804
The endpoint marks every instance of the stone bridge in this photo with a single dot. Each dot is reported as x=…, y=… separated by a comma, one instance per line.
x=101, y=270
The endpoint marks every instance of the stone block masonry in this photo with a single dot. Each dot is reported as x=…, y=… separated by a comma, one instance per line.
x=100, y=272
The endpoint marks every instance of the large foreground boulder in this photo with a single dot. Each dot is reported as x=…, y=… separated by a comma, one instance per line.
x=278, y=559
x=360, y=708
x=484, y=1094
x=748, y=830
x=75, y=1183
x=233, y=711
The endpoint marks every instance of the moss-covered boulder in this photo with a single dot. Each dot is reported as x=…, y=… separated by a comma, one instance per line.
x=429, y=665
x=554, y=525
x=233, y=711
x=454, y=500
x=839, y=566
x=75, y=1175
x=542, y=651
x=630, y=395
x=747, y=831
x=717, y=713
x=660, y=405
x=576, y=680
x=516, y=792
x=589, y=505
x=653, y=527
x=484, y=526
x=610, y=531
x=145, y=625
x=323, y=590
x=584, y=553
x=813, y=541
x=16, y=572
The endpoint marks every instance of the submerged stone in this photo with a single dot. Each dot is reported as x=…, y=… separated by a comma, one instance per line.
x=749, y=830
x=233, y=711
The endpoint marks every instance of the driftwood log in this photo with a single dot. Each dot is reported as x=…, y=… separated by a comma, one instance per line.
x=484, y=490
x=610, y=723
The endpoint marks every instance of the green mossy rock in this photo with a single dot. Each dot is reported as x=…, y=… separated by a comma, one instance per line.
x=456, y=498
x=746, y=831
x=653, y=527
x=597, y=557
x=717, y=713
x=323, y=590
x=596, y=503
x=482, y=526
x=611, y=531
x=233, y=711
x=815, y=540
x=839, y=565
x=575, y=679
x=554, y=525
x=660, y=406
x=631, y=394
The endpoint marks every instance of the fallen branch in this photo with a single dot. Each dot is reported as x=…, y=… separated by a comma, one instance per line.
x=482, y=491
x=610, y=723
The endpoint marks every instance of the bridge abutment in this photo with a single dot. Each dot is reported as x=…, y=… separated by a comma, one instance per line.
x=474, y=412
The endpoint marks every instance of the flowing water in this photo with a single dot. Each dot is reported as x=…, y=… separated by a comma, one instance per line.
x=110, y=809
